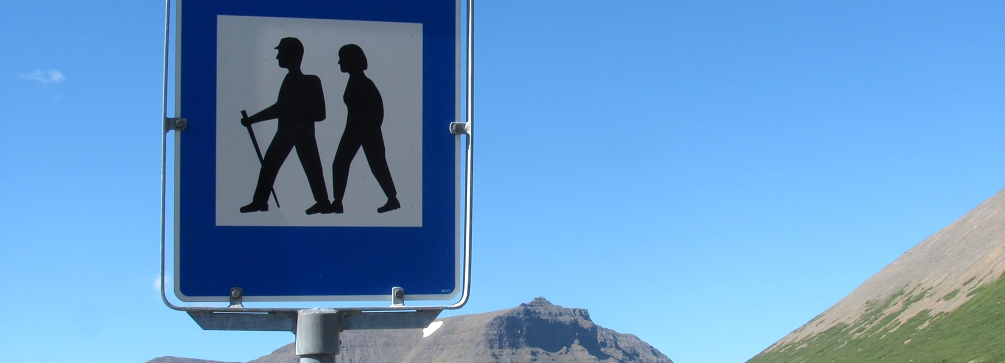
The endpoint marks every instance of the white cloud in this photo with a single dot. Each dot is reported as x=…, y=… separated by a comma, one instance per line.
x=157, y=282
x=50, y=76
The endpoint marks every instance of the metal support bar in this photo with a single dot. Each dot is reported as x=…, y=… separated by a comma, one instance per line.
x=275, y=321
x=469, y=165
x=287, y=320
x=317, y=330
x=389, y=320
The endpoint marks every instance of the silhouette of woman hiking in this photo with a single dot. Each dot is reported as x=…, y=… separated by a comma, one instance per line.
x=365, y=114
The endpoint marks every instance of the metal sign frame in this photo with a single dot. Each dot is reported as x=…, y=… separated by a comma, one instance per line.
x=236, y=294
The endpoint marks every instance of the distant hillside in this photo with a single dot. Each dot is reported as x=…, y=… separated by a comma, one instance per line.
x=537, y=331
x=533, y=332
x=181, y=360
x=942, y=301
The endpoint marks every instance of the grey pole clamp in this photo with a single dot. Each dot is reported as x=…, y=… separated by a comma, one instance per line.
x=318, y=335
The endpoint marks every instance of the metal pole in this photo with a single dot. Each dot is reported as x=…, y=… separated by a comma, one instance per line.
x=317, y=335
x=317, y=359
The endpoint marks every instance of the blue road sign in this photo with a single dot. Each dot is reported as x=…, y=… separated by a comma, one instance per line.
x=317, y=163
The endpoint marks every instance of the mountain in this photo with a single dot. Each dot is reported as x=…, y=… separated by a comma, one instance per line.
x=941, y=301
x=181, y=360
x=537, y=331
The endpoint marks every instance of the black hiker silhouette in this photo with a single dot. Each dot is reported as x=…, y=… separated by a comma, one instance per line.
x=365, y=114
x=300, y=104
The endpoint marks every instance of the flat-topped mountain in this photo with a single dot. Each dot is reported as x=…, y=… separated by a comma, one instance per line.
x=538, y=331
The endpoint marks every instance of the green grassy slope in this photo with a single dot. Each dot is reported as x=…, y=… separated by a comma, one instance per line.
x=975, y=332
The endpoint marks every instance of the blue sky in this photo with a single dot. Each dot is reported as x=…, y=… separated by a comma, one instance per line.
x=705, y=175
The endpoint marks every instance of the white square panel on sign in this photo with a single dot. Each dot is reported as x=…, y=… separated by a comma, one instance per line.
x=249, y=78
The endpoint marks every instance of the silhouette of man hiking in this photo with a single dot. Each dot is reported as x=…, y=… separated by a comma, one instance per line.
x=301, y=103
x=365, y=114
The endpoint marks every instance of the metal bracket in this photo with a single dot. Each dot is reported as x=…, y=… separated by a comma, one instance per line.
x=460, y=128
x=236, y=297
x=175, y=123
x=397, y=296
x=240, y=321
x=317, y=330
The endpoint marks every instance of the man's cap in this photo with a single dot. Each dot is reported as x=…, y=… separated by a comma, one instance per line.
x=291, y=43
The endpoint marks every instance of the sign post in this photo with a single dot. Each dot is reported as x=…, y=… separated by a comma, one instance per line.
x=367, y=95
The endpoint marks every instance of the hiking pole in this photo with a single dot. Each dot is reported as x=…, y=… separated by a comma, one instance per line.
x=258, y=151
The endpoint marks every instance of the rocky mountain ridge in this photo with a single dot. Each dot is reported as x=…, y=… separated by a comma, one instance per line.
x=538, y=331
